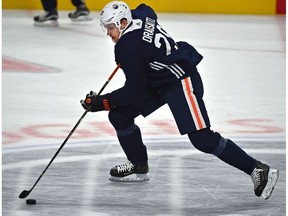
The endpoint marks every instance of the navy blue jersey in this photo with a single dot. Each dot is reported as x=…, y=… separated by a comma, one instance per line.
x=150, y=59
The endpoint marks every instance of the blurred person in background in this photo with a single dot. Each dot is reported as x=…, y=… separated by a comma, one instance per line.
x=50, y=15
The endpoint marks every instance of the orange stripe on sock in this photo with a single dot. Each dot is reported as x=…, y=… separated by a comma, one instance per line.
x=191, y=99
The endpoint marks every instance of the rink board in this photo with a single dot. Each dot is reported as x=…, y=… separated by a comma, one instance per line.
x=186, y=6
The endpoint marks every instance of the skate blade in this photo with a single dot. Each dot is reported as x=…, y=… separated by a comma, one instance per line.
x=82, y=19
x=272, y=180
x=52, y=23
x=130, y=178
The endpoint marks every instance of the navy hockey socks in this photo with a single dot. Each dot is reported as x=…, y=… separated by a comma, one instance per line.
x=131, y=142
x=235, y=156
x=212, y=142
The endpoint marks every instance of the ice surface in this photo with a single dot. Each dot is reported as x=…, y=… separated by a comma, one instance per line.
x=46, y=71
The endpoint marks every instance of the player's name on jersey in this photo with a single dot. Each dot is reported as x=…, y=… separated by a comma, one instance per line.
x=148, y=30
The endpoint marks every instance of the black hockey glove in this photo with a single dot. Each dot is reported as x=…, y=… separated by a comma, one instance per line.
x=97, y=103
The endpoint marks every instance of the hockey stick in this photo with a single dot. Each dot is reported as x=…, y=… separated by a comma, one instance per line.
x=25, y=193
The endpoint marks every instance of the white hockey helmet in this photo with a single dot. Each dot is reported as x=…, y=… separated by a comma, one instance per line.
x=114, y=12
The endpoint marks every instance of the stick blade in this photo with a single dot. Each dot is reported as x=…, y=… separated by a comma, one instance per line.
x=24, y=194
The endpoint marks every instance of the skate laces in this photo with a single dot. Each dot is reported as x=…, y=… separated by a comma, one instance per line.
x=128, y=166
x=256, y=177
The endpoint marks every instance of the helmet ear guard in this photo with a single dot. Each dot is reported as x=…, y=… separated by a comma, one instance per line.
x=113, y=13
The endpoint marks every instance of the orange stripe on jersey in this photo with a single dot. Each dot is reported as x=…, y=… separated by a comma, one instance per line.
x=193, y=102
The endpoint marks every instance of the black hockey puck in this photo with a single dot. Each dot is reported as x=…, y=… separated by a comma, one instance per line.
x=30, y=201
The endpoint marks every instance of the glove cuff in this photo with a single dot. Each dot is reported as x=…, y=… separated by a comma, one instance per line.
x=106, y=104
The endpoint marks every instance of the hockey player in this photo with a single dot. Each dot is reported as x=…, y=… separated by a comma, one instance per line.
x=51, y=14
x=161, y=71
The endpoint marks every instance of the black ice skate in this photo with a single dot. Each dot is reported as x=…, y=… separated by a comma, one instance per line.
x=129, y=172
x=264, y=180
x=49, y=18
x=80, y=14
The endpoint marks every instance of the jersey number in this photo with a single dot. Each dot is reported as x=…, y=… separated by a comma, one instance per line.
x=162, y=35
